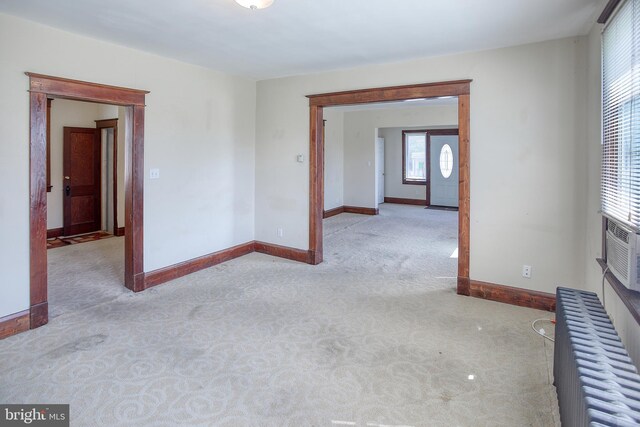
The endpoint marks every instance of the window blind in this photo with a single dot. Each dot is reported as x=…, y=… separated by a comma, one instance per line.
x=620, y=190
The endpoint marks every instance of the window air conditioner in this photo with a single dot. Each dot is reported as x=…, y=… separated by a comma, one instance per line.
x=622, y=254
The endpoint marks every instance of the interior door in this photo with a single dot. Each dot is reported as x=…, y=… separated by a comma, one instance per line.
x=380, y=169
x=444, y=170
x=82, y=183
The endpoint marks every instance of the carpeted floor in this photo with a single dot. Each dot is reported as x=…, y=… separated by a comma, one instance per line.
x=373, y=336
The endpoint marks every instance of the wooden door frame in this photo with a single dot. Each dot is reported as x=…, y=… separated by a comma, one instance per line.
x=460, y=89
x=42, y=87
x=112, y=124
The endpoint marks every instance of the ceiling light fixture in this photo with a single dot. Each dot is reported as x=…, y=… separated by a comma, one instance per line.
x=255, y=4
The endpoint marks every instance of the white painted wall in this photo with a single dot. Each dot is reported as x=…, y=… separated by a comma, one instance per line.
x=333, y=158
x=528, y=182
x=199, y=131
x=64, y=113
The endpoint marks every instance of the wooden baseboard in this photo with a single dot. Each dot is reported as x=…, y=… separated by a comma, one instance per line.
x=299, y=255
x=361, y=211
x=39, y=315
x=54, y=232
x=333, y=212
x=165, y=274
x=14, y=324
x=400, y=201
x=510, y=295
x=119, y=232
x=463, y=286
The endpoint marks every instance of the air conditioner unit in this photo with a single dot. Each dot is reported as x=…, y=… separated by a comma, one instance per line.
x=622, y=254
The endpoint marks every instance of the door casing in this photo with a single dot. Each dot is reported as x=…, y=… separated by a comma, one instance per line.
x=460, y=89
x=42, y=87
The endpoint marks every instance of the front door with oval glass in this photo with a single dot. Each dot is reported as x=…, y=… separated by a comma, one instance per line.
x=444, y=170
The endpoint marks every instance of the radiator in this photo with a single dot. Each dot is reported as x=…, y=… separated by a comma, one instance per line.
x=596, y=381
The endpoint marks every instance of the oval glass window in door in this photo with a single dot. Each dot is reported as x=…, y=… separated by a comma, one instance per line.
x=446, y=161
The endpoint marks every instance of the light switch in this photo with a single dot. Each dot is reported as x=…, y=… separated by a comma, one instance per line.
x=300, y=158
x=154, y=173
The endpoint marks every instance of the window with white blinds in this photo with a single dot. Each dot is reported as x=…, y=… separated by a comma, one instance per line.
x=621, y=116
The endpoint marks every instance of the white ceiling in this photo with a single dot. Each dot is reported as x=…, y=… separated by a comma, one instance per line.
x=305, y=36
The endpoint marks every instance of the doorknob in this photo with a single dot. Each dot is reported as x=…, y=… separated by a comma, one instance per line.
x=66, y=177
x=67, y=190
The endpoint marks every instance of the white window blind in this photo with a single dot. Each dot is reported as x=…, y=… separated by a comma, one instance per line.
x=621, y=116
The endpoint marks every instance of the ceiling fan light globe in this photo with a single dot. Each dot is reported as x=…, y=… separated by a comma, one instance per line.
x=255, y=4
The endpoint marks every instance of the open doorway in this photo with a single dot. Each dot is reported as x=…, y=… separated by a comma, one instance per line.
x=85, y=202
x=317, y=104
x=42, y=88
x=383, y=162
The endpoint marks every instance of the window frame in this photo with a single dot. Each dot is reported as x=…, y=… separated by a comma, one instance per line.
x=629, y=297
x=405, y=133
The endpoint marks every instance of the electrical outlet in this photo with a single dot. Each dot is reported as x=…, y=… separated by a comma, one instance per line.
x=154, y=173
x=526, y=271
x=280, y=232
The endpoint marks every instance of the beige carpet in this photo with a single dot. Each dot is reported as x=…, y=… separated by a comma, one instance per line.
x=374, y=336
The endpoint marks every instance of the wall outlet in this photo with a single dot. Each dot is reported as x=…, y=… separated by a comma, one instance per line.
x=154, y=173
x=526, y=271
x=280, y=232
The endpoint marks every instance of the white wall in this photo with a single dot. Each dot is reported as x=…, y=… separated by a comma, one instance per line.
x=333, y=158
x=528, y=183
x=199, y=130
x=64, y=113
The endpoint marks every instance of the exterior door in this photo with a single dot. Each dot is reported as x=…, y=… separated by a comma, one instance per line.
x=82, y=180
x=444, y=170
x=380, y=169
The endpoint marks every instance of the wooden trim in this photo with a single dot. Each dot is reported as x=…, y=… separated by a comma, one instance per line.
x=293, y=254
x=316, y=183
x=14, y=324
x=55, y=232
x=443, y=208
x=113, y=124
x=464, y=188
x=119, y=232
x=175, y=271
x=460, y=88
x=463, y=286
x=49, y=186
x=401, y=201
x=38, y=200
x=514, y=296
x=631, y=299
x=184, y=268
x=333, y=212
x=38, y=315
x=85, y=91
x=391, y=93
x=360, y=210
x=608, y=11
x=42, y=87
x=350, y=209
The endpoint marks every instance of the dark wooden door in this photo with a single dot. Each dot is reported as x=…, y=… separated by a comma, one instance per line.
x=81, y=180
